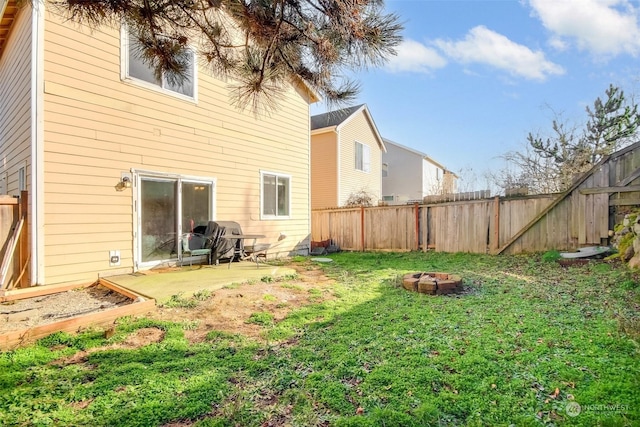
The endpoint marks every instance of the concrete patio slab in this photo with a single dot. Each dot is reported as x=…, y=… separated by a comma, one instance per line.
x=161, y=284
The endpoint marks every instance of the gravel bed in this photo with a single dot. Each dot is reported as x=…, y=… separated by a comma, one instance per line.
x=27, y=313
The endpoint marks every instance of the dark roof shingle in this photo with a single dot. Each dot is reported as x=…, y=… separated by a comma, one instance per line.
x=332, y=118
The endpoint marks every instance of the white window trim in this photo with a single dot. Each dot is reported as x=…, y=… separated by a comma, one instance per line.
x=366, y=167
x=278, y=175
x=4, y=182
x=124, y=71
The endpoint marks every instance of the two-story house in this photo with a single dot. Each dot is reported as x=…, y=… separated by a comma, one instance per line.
x=116, y=161
x=409, y=175
x=346, y=157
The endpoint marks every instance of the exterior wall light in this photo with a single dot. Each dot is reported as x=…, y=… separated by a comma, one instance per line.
x=125, y=182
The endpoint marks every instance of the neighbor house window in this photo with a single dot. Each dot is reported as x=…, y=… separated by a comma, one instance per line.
x=135, y=69
x=276, y=195
x=22, y=178
x=363, y=157
x=385, y=170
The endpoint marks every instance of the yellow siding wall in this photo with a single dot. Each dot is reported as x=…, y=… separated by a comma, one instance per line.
x=15, y=104
x=324, y=170
x=97, y=126
x=351, y=180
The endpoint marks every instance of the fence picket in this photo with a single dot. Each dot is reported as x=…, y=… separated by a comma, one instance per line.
x=479, y=224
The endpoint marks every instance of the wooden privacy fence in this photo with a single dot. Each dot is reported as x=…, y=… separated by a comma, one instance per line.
x=581, y=216
x=473, y=226
x=14, y=254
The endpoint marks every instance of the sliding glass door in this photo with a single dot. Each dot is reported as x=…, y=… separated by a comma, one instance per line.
x=168, y=207
x=196, y=205
x=158, y=230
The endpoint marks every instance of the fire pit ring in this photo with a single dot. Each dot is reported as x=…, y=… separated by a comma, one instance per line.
x=432, y=283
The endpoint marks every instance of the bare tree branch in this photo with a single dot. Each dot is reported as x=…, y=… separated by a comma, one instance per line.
x=550, y=164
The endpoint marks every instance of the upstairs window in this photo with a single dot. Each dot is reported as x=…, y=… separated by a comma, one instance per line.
x=363, y=157
x=136, y=69
x=385, y=170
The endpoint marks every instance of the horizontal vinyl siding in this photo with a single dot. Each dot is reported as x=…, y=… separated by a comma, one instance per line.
x=432, y=177
x=352, y=180
x=97, y=126
x=405, y=173
x=15, y=102
x=324, y=171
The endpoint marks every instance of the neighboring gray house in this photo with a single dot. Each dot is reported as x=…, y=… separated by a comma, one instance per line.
x=408, y=175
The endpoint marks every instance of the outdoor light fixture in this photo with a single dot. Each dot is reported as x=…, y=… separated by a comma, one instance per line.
x=125, y=182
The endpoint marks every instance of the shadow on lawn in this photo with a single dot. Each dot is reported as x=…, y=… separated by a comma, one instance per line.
x=530, y=338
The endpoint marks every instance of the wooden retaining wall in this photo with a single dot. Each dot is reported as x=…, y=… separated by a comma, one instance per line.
x=13, y=339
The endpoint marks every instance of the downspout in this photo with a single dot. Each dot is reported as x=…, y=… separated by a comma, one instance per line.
x=309, y=215
x=338, y=163
x=37, y=143
x=380, y=179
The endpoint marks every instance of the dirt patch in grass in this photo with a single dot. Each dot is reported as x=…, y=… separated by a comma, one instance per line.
x=138, y=338
x=230, y=309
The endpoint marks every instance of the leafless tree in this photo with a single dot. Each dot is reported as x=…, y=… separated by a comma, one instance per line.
x=362, y=197
x=527, y=169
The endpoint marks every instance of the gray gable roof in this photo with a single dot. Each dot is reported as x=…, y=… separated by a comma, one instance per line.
x=332, y=118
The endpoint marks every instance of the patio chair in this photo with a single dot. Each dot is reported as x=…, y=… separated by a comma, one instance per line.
x=196, y=244
x=259, y=250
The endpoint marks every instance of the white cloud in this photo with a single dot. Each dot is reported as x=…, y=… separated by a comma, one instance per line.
x=413, y=56
x=558, y=44
x=602, y=27
x=484, y=46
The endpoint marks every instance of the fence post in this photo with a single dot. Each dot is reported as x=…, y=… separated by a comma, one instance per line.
x=417, y=216
x=425, y=230
x=362, y=227
x=496, y=224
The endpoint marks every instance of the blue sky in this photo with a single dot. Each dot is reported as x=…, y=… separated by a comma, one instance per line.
x=473, y=77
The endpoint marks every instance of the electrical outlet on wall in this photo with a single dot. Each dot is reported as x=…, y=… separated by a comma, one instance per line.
x=114, y=258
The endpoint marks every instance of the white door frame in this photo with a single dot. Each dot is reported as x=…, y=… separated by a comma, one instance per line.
x=138, y=176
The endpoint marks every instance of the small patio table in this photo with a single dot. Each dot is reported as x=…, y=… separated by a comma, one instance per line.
x=240, y=252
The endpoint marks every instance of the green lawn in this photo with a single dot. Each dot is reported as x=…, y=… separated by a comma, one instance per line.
x=526, y=339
